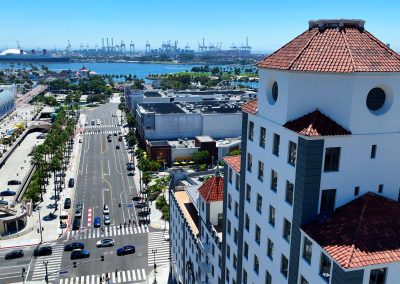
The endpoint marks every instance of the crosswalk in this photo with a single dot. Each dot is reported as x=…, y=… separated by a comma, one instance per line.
x=109, y=231
x=96, y=132
x=125, y=276
x=53, y=265
x=100, y=126
x=157, y=242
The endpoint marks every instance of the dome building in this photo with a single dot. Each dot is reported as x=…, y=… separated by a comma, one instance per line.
x=12, y=51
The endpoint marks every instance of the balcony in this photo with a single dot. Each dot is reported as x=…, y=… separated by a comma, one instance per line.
x=205, y=268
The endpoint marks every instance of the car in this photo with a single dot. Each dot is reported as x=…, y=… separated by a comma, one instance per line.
x=41, y=136
x=62, y=225
x=109, y=140
x=106, y=210
x=98, y=123
x=115, y=134
x=130, y=167
x=79, y=205
x=41, y=251
x=126, y=250
x=76, y=224
x=107, y=220
x=78, y=213
x=105, y=243
x=74, y=245
x=14, y=254
x=78, y=254
x=71, y=182
x=3, y=202
x=13, y=182
x=166, y=237
x=117, y=147
x=67, y=203
x=86, y=123
x=8, y=192
x=80, y=140
x=97, y=222
x=120, y=138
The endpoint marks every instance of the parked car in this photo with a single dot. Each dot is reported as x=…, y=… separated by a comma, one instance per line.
x=130, y=167
x=41, y=136
x=107, y=220
x=115, y=133
x=71, y=182
x=74, y=245
x=120, y=138
x=79, y=205
x=106, y=210
x=14, y=254
x=3, y=202
x=8, y=192
x=97, y=222
x=76, y=224
x=105, y=243
x=126, y=250
x=109, y=140
x=80, y=140
x=14, y=182
x=67, y=203
x=78, y=254
x=117, y=147
x=78, y=213
x=41, y=251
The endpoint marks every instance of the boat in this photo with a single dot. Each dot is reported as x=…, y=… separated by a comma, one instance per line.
x=19, y=55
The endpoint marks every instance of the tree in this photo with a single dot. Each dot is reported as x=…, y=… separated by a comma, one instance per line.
x=201, y=157
x=234, y=152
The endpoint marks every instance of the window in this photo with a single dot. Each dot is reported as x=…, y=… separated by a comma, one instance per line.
x=268, y=278
x=327, y=201
x=332, y=156
x=286, y=229
x=228, y=229
x=234, y=261
x=284, y=266
x=228, y=251
x=275, y=91
x=230, y=176
x=377, y=276
x=271, y=219
x=303, y=280
x=227, y=275
x=257, y=234
x=248, y=193
x=219, y=261
x=380, y=188
x=325, y=267
x=249, y=162
x=375, y=99
x=229, y=201
x=262, y=137
x=247, y=222
x=212, y=270
x=202, y=205
x=292, y=153
x=251, y=130
x=237, y=181
x=236, y=209
x=289, y=192
x=220, y=218
x=246, y=250
x=307, y=250
x=260, y=170
x=244, y=276
x=256, y=264
x=356, y=191
x=235, y=236
x=275, y=146
x=373, y=151
x=274, y=180
x=259, y=203
x=270, y=249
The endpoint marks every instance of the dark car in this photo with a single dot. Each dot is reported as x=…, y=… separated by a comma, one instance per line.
x=74, y=245
x=67, y=203
x=3, y=202
x=14, y=254
x=76, y=224
x=78, y=254
x=117, y=147
x=79, y=205
x=71, y=182
x=115, y=133
x=42, y=251
x=14, y=182
x=97, y=222
x=8, y=192
x=109, y=140
x=130, y=167
x=41, y=136
x=126, y=250
x=120, y=138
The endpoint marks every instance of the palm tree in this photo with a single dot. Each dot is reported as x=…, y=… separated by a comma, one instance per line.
x=38, y=161
x=54, y=166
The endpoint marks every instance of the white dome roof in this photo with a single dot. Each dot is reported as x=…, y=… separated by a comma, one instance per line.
x=11, y=51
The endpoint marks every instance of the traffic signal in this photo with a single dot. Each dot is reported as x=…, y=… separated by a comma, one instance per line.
x=102, y=258
x=74, y=264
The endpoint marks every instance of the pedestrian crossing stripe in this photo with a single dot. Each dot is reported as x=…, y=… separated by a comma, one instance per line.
x=156, y=242
x=101, y=126
x=53, y=264
x=109, y=231
x=125, y=276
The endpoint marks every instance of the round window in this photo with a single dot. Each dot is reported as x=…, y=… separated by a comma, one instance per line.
x=375, y=99
x=275, y=91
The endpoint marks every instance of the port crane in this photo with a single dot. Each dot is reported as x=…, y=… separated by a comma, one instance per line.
x=132, y=47
x=68, y=48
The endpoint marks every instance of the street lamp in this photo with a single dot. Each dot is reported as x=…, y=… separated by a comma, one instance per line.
x=40, y=228
x=154, y=251
x=46, y=277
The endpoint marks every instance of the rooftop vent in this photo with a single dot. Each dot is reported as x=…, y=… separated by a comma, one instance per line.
x=336, y=23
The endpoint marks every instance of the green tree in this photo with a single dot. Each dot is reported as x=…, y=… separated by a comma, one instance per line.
x=201, y=157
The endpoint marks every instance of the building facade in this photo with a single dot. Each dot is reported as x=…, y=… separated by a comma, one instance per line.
x=8, y=94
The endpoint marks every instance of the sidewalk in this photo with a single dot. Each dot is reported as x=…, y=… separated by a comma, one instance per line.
x=162, y=275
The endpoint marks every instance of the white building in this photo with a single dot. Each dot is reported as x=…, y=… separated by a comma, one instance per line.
x=319, y=183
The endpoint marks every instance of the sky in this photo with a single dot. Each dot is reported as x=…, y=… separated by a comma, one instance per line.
x=267, y=24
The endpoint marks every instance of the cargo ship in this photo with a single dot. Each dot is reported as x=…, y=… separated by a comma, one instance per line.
x=19, y=55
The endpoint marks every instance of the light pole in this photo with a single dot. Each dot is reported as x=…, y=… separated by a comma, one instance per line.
x=154, y=251
x=46, y=277
x=40, y=228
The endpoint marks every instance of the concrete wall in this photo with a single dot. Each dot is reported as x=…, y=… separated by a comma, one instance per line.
x=177, y=153
x=222, y=125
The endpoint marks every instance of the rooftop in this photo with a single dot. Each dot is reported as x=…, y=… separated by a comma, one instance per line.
x=188, y=209
x=251, y=106
x=162, y=108
x=341, y=46
x=233, y=162
x=364, y=232
x=213, y=189
x=205, y=138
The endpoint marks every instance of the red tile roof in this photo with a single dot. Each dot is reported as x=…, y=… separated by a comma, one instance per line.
x=233, y=162
x=251, y=106
x=331, y=48
x=364, y=232
x=213, y=189
x=316, y=124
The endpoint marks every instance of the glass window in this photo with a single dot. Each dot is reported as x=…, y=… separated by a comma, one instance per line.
x=230, y=175
x=260, y=170
x=229, y=201
x=251, y=130
x=227, y=276
x=262, y=137
x=220, y=219
x=268, y=278
x=249, y=162
x=228, y=229
x=271, y=215
x=380, y=188
x=228, y=251
x=373, y=151
x=248, y=193
x=274, y=180
x=284, y=265
x=235, y=236
x=332, y=156
x=246, y=250
x=327, y=201
x=237, y=181
x=256, y=264
x=236, y=209
x=292, y=153
x=275, y=148
x=286, y=229
x=303, y=280
x=259, y=203
x=247, y=222
x=377, y=276
x=356, y=191
x=234, y=261
x=244, y=276
x=289, y=192
x=258, y=234
x=270, y=249
x=325, y=267
x=307, y=250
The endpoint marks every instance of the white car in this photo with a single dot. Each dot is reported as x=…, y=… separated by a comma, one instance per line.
x=106, y=210
x=105, y=243
x=107, y=220
x=98, y=122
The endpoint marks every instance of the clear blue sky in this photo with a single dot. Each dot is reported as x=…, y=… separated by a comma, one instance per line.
x=268, y=24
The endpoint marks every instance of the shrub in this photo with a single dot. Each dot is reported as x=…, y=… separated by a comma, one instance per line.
x=203, y=167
